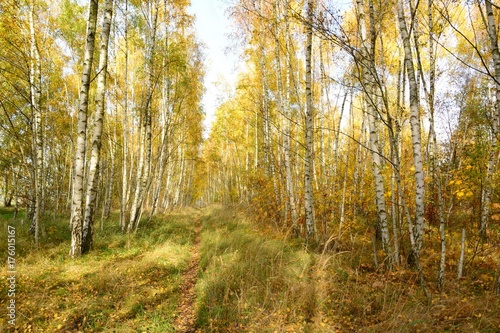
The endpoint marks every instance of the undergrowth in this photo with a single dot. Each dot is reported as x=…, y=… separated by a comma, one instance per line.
x=253, y=279
x=128, y=283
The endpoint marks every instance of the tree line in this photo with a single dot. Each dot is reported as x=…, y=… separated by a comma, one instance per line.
x=101, y=110
x=382, y=114
x=371, y=114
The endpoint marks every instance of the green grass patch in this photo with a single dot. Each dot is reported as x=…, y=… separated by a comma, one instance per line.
x=128, y=283
x=250, y=281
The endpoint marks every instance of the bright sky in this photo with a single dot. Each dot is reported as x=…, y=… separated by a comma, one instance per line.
x=212, y=27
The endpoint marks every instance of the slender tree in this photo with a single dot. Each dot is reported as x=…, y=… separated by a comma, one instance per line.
x=144, y=165
x=93, y=172
x=80, y=147
x=369, y=80
x=35, y=77
x=495, y=119
x=311, y=233
x=418, y=227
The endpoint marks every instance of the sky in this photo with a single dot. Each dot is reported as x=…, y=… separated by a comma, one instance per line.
x=212, y=27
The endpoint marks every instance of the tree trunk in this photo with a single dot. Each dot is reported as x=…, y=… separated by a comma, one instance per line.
x=36, y=94
x=78, y=181
x=125, y=183
x=111, y=181
x=418, y=227
x=462, y=253
x=369, y=79
x=346, y=171
x=434, y=151
x=495, y=121
x=93, y=173
x=144, y=166
x=284, y=101
x=165, y=123
x=311, y=233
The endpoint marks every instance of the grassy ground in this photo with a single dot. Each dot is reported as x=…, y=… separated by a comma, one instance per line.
x=127, y=284
x=251, y=279
x=254, y=280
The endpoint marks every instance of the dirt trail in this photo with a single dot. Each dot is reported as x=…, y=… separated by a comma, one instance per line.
x=186, y=314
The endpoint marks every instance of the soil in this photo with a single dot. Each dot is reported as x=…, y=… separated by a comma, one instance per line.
x=186, y=312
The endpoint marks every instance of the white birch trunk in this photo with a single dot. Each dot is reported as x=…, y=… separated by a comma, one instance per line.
x=113, y=152
x=93, y=172
x=288, y=114
x=418, y=227
x=344, y=185
x=165, y=122
x=125, y=183
x=495, y=121
x=311, y=233
x=36, y=93
x=284, y=99
x=462, y=253
x=144, y=166
x=369, y=79
x=80, y=148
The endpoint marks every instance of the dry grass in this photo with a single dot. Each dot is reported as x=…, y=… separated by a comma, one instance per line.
x=127, y=284
x=255, y=280
x=251, y=279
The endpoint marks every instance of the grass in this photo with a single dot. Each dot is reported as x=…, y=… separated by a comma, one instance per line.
x=251, y=279
x=254, y=280
x=126, y=284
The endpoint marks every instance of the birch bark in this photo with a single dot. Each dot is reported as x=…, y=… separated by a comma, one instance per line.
x=368, y=80
x=36, y=93
x=284, y=100
x=93, y=173
x=125, y=183
x=418, y=226
x=144, y=166
x=311, y=233
x=80, y=148
x=495, y=121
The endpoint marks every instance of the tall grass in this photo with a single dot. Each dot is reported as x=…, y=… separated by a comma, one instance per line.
x=254, y=280
x=250, y=281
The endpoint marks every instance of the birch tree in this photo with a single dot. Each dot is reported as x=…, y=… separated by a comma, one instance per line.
x=311, y=233
x=284, y=107
x=125, y=137
x=418, y=227
x=144, y=165
x=93, y=172
x=495, y=118
x=35, y=78
x=80, y=147
x=369, y=79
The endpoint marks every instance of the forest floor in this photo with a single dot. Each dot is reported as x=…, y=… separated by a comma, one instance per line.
x=215, y=270
x=186, y=315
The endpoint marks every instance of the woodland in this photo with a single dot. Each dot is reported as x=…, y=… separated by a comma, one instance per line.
x=349, y=181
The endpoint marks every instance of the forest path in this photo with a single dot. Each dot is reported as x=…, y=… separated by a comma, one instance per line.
x=186, y=313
